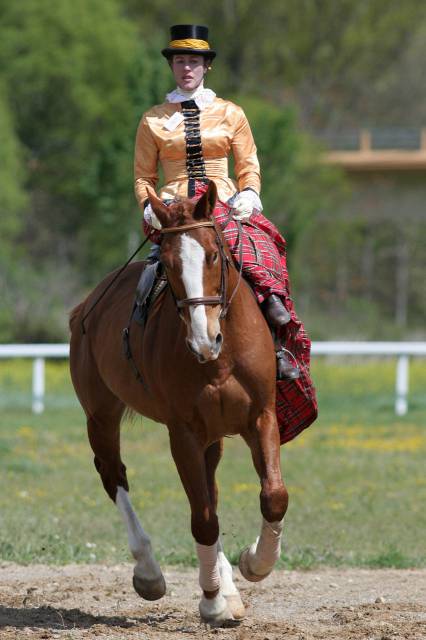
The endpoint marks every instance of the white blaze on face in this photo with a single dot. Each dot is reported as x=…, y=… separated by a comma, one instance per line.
x=193, y=258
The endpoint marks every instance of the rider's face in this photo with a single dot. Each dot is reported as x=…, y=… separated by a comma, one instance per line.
x=188, y=70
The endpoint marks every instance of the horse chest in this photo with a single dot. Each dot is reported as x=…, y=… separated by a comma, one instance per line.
x=223, y=408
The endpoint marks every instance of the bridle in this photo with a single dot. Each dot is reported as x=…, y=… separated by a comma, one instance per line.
x=224, y=274
x=186, y=302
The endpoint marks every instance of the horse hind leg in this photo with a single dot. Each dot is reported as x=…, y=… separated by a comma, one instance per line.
x=148, y=580
x=104, y=413
x=104, y=436
x=227, y=585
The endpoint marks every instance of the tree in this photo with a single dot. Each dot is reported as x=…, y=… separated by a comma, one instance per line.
x=69, y=72
x=330, y=58
x=296, y=185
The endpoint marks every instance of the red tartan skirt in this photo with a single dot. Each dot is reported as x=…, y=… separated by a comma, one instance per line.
x=264, y=265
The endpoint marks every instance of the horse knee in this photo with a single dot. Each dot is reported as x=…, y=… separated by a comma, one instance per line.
x=205, y=528
x=274, y=503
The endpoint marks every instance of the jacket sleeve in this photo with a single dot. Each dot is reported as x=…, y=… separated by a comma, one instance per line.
x=246, y=164
x=146, y=162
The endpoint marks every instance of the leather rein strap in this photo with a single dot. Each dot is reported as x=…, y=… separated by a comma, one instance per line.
x=209, y=300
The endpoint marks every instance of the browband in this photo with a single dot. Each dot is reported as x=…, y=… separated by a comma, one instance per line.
x=187, y=227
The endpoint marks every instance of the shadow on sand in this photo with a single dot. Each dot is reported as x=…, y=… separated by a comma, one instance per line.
x=52, y=618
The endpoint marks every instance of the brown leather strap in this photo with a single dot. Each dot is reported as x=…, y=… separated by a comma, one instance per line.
x=209, y=300
x=187, y=227
x=212, y=300
x=227, y=303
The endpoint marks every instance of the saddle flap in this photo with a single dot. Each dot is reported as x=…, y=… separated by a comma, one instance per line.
x=146, y=282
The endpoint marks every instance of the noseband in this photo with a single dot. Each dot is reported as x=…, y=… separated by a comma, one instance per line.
x=208, y=300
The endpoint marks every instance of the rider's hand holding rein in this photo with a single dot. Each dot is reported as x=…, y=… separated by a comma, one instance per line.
x=244, y=203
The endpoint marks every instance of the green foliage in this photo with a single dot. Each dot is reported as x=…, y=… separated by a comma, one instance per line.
x=75, y=79
x=68, y=89
x=12, y=195
x=296, y=185
x=331, y=57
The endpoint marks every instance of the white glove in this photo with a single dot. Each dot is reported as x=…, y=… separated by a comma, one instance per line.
x=150, y=217
x=244, y=204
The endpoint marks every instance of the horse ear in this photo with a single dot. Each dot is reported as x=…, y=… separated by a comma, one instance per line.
x=158, y=207
x=206, y=204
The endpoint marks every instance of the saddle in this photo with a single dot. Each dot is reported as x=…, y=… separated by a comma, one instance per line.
x=152, y=283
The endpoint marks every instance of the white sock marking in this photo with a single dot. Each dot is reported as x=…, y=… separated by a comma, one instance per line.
x=139, y=541
x=227, y=585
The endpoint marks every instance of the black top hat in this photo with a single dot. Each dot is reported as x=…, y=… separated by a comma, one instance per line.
x=189, y=38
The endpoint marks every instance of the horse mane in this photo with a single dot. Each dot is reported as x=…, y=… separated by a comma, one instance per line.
x=74, y=313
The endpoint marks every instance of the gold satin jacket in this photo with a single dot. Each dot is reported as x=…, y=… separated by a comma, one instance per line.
x=224, y=129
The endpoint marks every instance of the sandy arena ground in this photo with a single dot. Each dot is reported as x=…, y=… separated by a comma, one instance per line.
x=83, y=601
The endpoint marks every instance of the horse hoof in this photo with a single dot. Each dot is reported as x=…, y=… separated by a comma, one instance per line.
x=244, y=567
x=216, y=612
x=235, y=606
x=150, y=589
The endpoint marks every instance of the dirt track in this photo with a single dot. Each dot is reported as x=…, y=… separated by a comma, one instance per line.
x=82, y=601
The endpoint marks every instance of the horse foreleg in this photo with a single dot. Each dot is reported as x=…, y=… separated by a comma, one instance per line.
x=257, y=561
x=193, y=464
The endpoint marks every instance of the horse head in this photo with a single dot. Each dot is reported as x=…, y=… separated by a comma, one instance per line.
x=194, y=259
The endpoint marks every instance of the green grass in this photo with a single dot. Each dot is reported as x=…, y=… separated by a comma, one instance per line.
x=356, y=478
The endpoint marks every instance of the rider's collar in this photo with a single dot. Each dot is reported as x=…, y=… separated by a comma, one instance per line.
x=202, y=97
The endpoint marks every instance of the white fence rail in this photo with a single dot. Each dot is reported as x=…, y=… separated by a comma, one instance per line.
x=402, y=351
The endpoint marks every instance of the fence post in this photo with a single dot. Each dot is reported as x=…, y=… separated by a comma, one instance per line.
x=401, y=387
x=38, y=385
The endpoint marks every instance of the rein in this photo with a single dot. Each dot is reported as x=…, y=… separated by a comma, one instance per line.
x=224, y=275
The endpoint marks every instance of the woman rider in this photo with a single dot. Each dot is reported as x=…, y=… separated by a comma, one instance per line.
x=191, y=135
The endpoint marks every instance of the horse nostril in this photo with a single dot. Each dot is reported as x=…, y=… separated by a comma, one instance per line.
x=219, y=339
x=190, y=347
x=199, y=356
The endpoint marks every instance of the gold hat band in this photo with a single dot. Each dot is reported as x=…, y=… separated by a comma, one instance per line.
x=189, y=43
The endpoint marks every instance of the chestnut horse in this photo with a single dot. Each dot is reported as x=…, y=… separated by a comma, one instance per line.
x=207, y=359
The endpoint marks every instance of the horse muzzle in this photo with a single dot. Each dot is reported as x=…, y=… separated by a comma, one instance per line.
x=206, y=352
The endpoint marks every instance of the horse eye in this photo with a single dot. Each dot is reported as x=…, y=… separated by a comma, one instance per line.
x=215, y=257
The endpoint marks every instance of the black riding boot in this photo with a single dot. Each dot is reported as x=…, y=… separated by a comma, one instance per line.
x=277, y=316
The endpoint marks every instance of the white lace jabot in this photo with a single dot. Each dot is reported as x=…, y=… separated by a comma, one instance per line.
x=202, y=97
